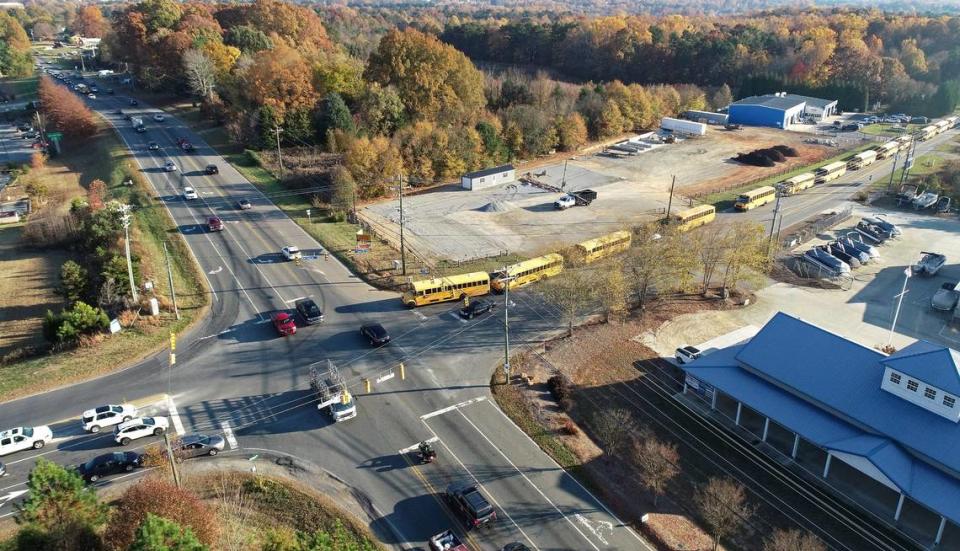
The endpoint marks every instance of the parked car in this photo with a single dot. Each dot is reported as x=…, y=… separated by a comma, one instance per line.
x=106, y=416
x=686, y=354
x=476, y=307
x=212, y=169
x=214, y=223
x=946, y=297
x=564, y=202
x=375, y=333
x=470, y=503
x=109, y=463
x=139, y=428
x=291, y=253
x=285, y=324
x=159, y=117
x=309, y=310
x=24, y=438
x=244, y=204
x=190, y=193
x=31, y=135
x=196, y=445
x=25, y=127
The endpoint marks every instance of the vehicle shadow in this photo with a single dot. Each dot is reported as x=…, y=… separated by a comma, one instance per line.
x=292, y=411
x=542, y=207
x=425, y=509
x=190, y=229
x=252, y=330
x=268, y=258
x=373, y=306
x=386, y=463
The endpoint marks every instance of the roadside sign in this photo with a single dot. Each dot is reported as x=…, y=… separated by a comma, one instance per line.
x=363, y=242
x=55, y=135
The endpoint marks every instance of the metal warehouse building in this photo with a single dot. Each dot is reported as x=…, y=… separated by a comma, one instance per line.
x=883, y=430
x=779, y=110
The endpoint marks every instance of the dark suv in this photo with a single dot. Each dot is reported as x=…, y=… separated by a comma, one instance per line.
x=467, y=500
x=476, y=307
x=375, y=333
x=309, y=310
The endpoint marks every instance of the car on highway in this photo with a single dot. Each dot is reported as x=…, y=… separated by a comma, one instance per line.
x=108, y=464
x=212, y=169
x=133, y=102
x=291, y=253
x=25, y=127
x=470, y=503
x=284, y=324
x=686, y=354
x=375, y=333
x=244, y=204
x=190, y=193
x=309, y=311
x=91, y=95
x=110, y=91
x=214, y=223
x=31, y=135
x=24, y=438
x=153, y=146
x=106, y=416
x=195, y=445
x=129, y=431
x=476, y=307
x=159, y=117
x=169, y=166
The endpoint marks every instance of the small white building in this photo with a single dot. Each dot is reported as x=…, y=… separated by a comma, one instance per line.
x=488, y=177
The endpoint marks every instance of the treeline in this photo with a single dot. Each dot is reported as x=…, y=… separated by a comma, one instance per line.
x=895, y=59
x=15, y=58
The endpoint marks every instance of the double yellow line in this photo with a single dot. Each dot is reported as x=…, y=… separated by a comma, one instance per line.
x=443, y=505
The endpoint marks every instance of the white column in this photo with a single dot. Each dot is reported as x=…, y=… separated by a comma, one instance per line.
x=766, y=428
x=896, y=515
x=796, y=445
x=826, y=466
x=943, y=524
x=713, y=399
x=739, y=409
x=684, y=387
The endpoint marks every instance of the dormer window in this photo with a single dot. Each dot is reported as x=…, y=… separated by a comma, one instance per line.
x=930, y=393
x=895, y=378
x=912, y=385
x=949, y=401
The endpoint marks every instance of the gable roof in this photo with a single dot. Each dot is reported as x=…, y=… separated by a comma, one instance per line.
x=930, y=363
x=775, y=102
x=488, y=171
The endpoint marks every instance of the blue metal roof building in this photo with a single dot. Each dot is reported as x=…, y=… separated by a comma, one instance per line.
x=770, y=110
x=896, y=418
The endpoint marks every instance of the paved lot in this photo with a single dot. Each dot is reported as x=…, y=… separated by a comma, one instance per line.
x=865, y=312
x=13, y=148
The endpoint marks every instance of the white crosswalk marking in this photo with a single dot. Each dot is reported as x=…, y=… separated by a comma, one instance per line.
x=228, y=434
x=174, y=415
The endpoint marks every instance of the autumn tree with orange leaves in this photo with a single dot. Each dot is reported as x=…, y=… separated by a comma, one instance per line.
x=90, y=22
x=65, y=111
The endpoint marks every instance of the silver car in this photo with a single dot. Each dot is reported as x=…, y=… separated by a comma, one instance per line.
x=195, y=445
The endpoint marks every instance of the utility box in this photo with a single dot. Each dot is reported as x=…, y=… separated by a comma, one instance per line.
x=154, y=307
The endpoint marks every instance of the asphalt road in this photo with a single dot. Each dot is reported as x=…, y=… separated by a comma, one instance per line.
x=236, y=376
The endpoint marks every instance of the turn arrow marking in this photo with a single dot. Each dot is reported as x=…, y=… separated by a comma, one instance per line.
x=217, y=271
x=11, y=496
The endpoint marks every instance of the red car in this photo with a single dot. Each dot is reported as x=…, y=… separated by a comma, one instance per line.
x=214, y=223
x=285, y=324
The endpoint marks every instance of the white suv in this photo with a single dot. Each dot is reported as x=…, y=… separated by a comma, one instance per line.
x=686, y=354
x=106, y=416
x=138, y=428
x=24, y=438
x=291, y=253
x=564, y=202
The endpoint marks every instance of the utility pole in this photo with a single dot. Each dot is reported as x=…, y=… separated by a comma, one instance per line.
x=173, y=292
x=892, y=171
x=125, y=219
x=403, y=249
x=506, y=327
x=173, y=460
x=908, y=162
x=673, y=182
x=563, y=181
x=278, y=130
x=773, y=223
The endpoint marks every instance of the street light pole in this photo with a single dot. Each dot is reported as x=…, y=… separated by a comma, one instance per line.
x=896, y=313
x=125, y=219
x=506, y=328
x=173, y=292
x=403, y=249
x=277, y=129
x=773, y=223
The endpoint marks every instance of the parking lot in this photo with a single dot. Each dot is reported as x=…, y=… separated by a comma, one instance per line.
x=13, y=148
x=865, y=312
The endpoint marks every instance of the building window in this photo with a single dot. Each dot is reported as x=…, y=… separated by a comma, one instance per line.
x=912, y=385
x=481, y=180
x=949, y=401
x=895, y=378
x=929, y=393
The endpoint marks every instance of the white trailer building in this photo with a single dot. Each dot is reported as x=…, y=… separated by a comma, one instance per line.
x=488, y=177
x=683, y=127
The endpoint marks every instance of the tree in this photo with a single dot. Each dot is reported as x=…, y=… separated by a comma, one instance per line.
x=60, y=510
x=571, y=131
x=711, y=248
x=81, y=319
x=155, y=496
x=659, y=463
x=571, y=292
x=793, y=540
x=746, y=254
x=374, y=164
x=722, y=97
x=65, y=110
x=343, y=198
x=611, y=120
x=96, y=194
x=44, y=31
x=159, y=534
x=38, y=160
x=201, y=72
x=74, y=282
x=723, y=506
x=380, y=110
x=333, y=115
x=160, y=14
x=15, y=58
x=612, y=288
x=660, y=258
x=90, y=22
x=280, y=78
x=249, y=39
x=614, y=429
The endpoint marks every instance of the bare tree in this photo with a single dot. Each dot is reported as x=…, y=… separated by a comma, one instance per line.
x=572, y=292
x=201, y=72
x=612, y=288
x=711, y=245
x=659, y=463
x=745, y=255
x=723, y=506
x=613, y=429
x=660, y=258
x=793, y=540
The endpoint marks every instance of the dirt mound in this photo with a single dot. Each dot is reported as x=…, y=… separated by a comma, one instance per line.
x=772, y=154
x=786, y=150
x=766, y=156
x=754, y=158
x=498, y=206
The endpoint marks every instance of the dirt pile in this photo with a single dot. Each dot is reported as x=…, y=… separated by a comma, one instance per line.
x=498, y=205
x=766, y=157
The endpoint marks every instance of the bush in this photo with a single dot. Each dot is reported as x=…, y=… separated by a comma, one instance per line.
x=566, y=404
x=861, y=196
x=570, y=428
x=559, y=387
x=161, y=498
x=69, y=325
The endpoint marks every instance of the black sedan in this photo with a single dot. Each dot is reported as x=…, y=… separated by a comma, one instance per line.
x=309, y=311
x=109, y=463
x=375, y=333
x=476, y=307
x=212, y=169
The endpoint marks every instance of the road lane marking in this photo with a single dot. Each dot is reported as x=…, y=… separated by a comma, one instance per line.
x=174, y=415
x=217, y=271
x=11, y=496
x=419, y=315
x=448, y=409
x=228, y=434
x=416, y=446
x=444, y=506
x=294, y=299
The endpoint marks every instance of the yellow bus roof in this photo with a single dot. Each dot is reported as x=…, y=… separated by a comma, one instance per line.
x=424, y=284
x=533, y=263
x=695, y=210
x=610, y=237
x=800, y=178
x=758, y=192
x=836, y=166
x=865, y=154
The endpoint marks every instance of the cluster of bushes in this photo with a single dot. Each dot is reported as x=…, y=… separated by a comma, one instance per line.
x=559, y=386
x=74, y=322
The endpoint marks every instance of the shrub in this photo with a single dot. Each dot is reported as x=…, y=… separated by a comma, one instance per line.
x=161, y=498
x=566, y=404
x=570, y=428
x=861, y=196
x=559, y=387
x=70, y=324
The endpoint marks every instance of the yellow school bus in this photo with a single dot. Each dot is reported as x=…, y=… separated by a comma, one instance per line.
x=755, y=198
x=455, y=287
x=694, y=217
x=527, y=271
x=595, y=249
x=796, y=184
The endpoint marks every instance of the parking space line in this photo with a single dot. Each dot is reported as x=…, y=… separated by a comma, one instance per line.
x=174, y=415
x=416, y=446
x=419, y=315
x=228, y=434
x=453, y=407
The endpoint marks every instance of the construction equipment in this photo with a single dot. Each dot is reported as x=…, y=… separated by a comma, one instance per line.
x=332, y=393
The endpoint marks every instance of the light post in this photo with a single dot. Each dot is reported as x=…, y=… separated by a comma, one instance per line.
x=906, y=277
x=506, y=327
x=126, y=219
